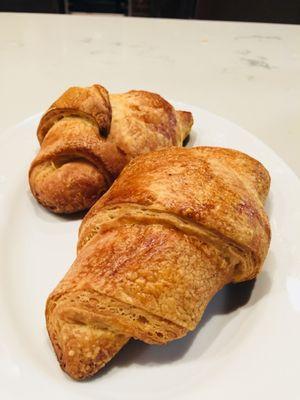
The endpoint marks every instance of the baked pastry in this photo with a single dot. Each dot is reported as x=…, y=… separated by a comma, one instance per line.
x=87, y=136
x=174, y=228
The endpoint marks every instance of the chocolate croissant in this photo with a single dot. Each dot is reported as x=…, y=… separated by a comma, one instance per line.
x=87, y=136
x=174, y=228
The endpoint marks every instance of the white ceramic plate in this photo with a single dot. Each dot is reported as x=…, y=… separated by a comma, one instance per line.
x=247, y=345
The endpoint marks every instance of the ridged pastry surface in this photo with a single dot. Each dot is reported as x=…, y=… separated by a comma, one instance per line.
x=87, y=137
x=175, y=227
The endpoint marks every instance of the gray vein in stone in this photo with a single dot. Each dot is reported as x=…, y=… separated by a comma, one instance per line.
x=259, y=37
x=260, y=62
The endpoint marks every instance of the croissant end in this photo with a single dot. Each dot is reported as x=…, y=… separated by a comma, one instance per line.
x=83, y=350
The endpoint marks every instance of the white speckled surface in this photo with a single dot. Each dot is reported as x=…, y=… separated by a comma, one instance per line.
x=246, y=72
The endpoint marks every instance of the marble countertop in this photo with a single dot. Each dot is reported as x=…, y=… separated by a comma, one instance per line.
x=246, y=72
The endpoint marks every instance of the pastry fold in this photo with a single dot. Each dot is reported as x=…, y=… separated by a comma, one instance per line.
x=174, y=228
x=87, y=137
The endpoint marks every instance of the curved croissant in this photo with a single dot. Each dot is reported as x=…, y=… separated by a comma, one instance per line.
x=76, y=163
x=175, y=227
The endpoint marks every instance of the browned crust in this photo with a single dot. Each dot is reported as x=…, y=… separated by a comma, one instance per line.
x=72, y=130
x=175, y=227
x=224, y=192
x=91, y=102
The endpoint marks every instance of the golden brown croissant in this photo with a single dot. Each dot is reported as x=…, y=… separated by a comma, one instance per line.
x=76, y=163
x=175, y=227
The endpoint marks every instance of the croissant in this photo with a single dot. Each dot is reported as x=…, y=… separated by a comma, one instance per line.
x=87, y=136
x=174, y=228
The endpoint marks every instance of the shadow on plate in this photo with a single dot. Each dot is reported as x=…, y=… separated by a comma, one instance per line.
x=190, y=140
x=226, y=302
x=48, y=216
x=186, y=140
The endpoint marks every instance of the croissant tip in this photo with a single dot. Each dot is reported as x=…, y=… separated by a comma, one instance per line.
x=82, y=350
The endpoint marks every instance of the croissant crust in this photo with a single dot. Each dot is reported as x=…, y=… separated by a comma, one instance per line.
x=175, y=227
x=87, y=137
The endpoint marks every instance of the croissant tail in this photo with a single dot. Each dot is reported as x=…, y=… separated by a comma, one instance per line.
x=83, y=350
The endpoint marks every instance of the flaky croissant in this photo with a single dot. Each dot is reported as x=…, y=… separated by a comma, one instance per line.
x=175, y=227
x=77, y=163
